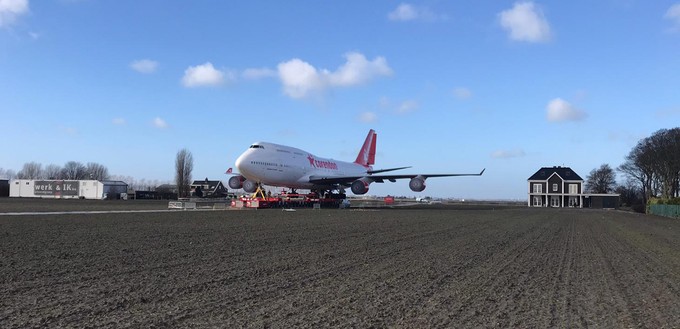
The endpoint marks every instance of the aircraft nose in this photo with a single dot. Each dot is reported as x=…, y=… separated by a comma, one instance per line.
x=243, y=163
x=239, y=162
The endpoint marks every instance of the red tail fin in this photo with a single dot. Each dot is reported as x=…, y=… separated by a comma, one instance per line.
x=366, y=156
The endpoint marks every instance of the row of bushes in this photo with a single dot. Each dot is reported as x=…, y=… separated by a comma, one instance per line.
x=671, y=201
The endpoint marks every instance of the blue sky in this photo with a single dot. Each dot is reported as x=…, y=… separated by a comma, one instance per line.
x=449, y=86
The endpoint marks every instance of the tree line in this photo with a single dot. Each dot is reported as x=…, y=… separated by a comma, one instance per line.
x=651, y=170
x=73, y=170
x=654, y=164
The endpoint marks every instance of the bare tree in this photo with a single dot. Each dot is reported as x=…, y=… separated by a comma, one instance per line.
x=74, y=170
x=53, y=171
x=601, y=180
x=129, y=180
x=654, y=164
x=143, y=185
x=631, y=195
x=7, y=173
x=96, y=171
x=184, y=165
x=31, y=170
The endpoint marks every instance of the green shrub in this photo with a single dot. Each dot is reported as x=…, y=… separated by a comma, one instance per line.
x=671, y=201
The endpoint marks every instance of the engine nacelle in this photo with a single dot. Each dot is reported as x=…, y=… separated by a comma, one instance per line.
x=236, y=182
x=249, y=186
x=360, y=186
x=417, y=184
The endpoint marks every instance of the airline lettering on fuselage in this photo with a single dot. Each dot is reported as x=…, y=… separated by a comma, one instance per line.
x=321, y=164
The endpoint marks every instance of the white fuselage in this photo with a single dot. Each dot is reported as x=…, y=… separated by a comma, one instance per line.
x=285, y=166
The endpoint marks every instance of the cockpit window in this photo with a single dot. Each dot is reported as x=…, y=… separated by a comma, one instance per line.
x=255, y=146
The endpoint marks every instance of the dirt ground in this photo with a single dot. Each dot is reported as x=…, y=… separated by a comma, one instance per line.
x=326, y=268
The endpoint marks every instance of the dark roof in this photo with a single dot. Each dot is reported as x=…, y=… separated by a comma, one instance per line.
x=211, y=183
x=565, y=172
x=113, y=182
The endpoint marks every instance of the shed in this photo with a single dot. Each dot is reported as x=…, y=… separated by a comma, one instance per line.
x=602, y=201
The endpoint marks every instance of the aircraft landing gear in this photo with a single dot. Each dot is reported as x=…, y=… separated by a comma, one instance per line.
x=259, y=192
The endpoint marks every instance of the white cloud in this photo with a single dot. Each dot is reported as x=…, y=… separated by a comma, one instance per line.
x=159, y=123
x=69, y=130
x=407, y=107
x=202, y=75
x=525, y=22
x=506, y=154
x=144, y=66
x=300, y=79
x=673, y=13
x=255, y=74
x=395, y=107
x=368, y=117
x=462, y=93
x=407, y=12
x=358, y=70
x=10, y=10
x=560, y=110
x=118, y=121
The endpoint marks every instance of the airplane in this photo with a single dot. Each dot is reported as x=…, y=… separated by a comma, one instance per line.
x=284, y=166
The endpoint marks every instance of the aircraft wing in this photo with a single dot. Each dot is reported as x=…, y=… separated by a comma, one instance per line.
x=346, y=180
x=371, y=172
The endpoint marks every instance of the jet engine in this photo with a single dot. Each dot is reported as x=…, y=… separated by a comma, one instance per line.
x=417, y=184
x=236, y=182
x=249, y=186
x=360, y=186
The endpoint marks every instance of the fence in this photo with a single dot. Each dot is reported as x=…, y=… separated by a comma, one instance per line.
x=665, y=210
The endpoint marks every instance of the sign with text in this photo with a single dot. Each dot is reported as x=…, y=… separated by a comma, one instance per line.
x=56, y=187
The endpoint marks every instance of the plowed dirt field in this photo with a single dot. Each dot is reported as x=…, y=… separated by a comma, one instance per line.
x=317, y=268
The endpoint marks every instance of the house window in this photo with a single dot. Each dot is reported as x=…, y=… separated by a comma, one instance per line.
x=537, y=201
x=573, y=201
x=538, y=188
x=573, y=188
x=554, y=187
x=554, y=201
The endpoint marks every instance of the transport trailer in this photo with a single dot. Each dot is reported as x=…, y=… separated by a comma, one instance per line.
x=328, y=200
x=293, y=200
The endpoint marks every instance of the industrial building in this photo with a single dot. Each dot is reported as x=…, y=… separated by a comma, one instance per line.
x=67, y=189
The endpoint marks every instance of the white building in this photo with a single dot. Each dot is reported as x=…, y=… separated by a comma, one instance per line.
x=67, y=189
